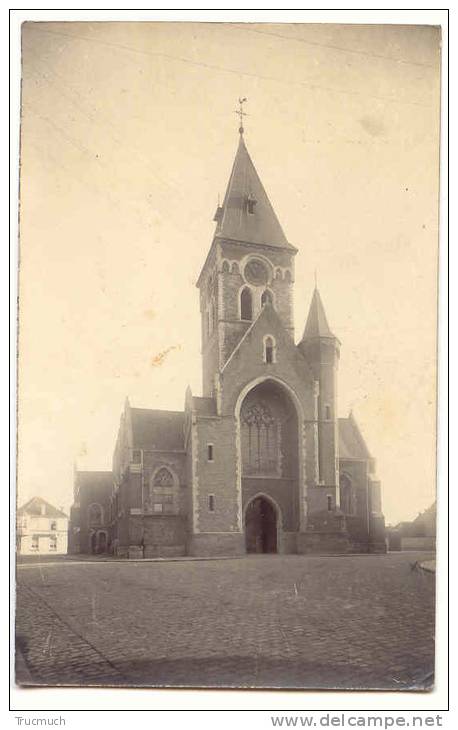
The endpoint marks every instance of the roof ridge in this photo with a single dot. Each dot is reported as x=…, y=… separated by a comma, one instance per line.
x=158, y=410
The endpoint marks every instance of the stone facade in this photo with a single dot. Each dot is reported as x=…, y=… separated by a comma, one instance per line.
x=261, y=462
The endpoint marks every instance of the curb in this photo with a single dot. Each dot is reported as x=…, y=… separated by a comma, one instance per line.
x=188, y=559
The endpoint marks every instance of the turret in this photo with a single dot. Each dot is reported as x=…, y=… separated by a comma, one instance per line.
x=321, y=349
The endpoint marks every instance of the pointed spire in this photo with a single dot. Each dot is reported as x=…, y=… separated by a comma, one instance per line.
x=317, y=324
x=246, y=213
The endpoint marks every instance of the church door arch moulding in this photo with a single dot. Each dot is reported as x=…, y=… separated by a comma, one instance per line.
x=291, y=397
x=262, y=520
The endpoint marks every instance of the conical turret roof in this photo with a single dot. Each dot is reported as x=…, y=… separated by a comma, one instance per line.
x=317, y=324
x=246, y=214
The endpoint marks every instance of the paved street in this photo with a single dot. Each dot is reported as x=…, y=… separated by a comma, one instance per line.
x=276, y=621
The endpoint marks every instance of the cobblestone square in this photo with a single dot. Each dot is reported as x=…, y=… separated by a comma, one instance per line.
x=362, y=621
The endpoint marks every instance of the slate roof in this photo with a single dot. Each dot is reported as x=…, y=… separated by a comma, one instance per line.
x=155, y=429
x=351, y=442
x=317, y=323
x=34, y=505
x=235, y=222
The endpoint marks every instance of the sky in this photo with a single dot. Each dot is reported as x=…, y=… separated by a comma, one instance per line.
x=128, y=133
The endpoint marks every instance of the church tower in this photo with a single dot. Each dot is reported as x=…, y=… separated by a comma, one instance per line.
x=321, y=349
x=250, y=263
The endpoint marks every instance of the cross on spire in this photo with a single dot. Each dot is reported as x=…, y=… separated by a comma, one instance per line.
x=241, y=113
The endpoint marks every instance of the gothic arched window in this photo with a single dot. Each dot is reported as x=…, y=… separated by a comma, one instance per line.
x=246, y=304
x=163, y=478
x=164, y=492
x=347, y=504
x=266, y=298
x=95, y=515
x=260, y=440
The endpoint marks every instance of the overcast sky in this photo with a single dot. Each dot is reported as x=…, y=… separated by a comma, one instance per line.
x=128, y=136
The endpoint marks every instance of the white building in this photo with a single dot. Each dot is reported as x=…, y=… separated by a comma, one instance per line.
x=41, y=529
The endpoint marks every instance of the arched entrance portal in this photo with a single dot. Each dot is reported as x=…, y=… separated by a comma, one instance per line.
x=102, y=542
x=261, y=526
x=270, y=465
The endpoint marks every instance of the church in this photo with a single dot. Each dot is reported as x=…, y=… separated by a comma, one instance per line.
x=261, y=462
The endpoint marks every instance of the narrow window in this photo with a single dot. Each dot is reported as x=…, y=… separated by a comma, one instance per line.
x=211, y=502
x=53, y=526
x=246, y=306
x=329, y=503
x=209, y=452
x=269, y=350
x=266, y=298
x=327, y=412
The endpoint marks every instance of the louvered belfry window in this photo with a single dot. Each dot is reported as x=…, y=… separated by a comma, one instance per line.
x=246, y=305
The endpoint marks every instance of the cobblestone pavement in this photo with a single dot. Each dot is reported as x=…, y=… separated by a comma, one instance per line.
x=261, y=621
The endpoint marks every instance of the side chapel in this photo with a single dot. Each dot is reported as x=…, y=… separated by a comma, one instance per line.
x=261, y=462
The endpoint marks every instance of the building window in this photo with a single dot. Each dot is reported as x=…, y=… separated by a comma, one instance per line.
x=34, y=543
x=95, y=515
x=260, y=440
x=163, y=494
x=329, y=499
x=210, y=452
x=250, y=204
x=211, y=502
x=347, y=500
x=246, y=305
x=53, y=543
x=269, y=350
x=136, y=456
x=53, y=525
x=163, y=478
x=327, y=411
x=266, y=298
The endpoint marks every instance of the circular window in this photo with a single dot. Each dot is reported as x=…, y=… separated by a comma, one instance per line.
x=256, y=272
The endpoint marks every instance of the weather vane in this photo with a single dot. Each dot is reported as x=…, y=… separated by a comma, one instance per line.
x=241, y=113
